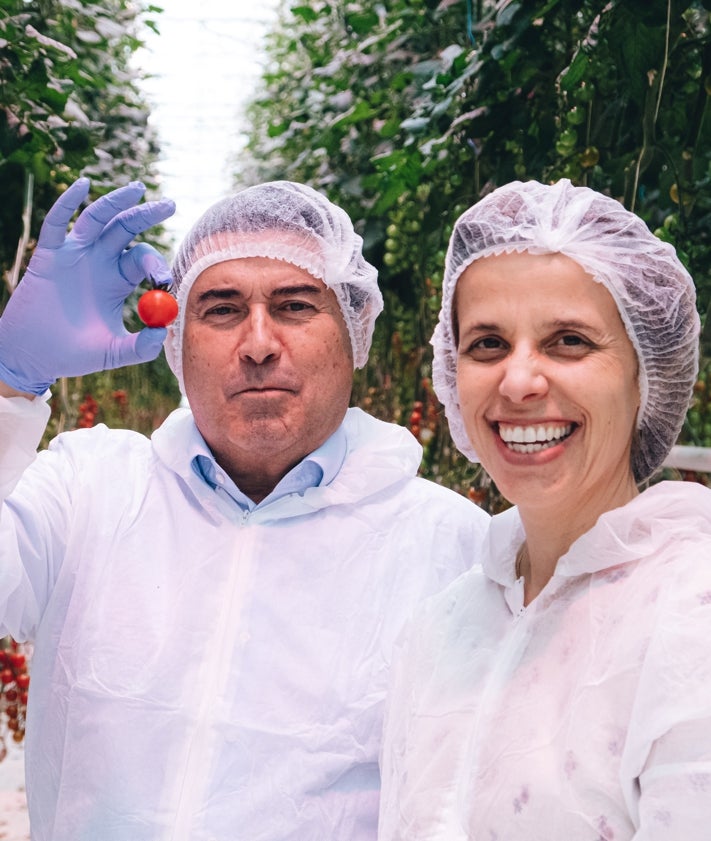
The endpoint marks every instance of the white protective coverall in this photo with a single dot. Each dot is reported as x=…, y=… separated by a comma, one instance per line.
x=584, y=716
x=201, y=674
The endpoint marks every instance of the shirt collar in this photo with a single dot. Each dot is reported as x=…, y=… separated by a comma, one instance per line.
x=318, y=468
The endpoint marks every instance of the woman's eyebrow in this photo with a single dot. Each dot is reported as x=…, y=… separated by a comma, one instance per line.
x=569, y=324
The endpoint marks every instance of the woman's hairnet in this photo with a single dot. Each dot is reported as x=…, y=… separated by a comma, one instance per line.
x=290, y=222
x=654, y=294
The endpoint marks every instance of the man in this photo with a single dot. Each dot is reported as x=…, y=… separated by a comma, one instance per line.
x=213, y=610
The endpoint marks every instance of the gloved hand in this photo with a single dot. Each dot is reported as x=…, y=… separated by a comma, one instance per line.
x=65, y=318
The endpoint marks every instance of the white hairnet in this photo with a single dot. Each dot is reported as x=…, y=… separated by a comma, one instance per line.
x=290, y=222
x=654, y=293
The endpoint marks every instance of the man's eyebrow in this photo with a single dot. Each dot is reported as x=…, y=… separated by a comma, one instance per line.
x=229, y=293
x=297, y=289
x=221, y=294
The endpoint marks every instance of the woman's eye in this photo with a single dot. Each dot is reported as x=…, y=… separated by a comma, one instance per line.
x=487, y=347
x=489, y=342
x=571, y=343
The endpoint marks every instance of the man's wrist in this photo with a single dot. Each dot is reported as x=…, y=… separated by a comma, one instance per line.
x=8, y=391
x=15, y=384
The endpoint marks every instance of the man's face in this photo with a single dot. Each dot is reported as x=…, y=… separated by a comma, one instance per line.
x=267, y=365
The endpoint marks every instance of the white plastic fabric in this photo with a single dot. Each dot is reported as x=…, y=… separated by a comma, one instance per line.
x=654, y=293
x=286, y=221
x=201, y=674
x=585, y=716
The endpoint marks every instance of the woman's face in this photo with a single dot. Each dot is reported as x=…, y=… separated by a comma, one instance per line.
x=547, y=381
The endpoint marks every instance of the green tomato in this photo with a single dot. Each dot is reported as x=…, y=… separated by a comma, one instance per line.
x=575, y=116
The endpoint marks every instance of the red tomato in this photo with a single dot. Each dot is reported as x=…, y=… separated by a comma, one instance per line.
x=157, y=308
x=23, y=681
x=7, y=676
x=17, y=660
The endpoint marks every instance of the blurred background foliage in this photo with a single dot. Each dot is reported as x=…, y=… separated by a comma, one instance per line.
x=70, y=104
x=405, y=112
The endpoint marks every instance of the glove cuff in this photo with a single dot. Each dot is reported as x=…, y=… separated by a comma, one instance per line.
x=20, y=383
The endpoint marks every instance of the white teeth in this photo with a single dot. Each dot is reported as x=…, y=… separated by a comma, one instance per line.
x=531, y=439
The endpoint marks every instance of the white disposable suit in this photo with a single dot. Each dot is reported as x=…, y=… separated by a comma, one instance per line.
x=584, y=716
x=200, y=673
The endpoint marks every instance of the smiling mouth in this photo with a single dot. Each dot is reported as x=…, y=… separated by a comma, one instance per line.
x=535, y=438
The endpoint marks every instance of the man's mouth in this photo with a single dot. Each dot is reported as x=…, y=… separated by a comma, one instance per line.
x=264, y=389
x=533, y=438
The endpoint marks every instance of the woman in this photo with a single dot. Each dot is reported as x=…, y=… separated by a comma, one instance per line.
x=563, y=692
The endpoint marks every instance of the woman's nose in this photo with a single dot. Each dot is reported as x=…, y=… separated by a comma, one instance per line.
x=523, y=377
x=259, y=342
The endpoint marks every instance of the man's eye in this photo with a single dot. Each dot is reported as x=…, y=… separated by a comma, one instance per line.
x=221, y=309
x=297, y=306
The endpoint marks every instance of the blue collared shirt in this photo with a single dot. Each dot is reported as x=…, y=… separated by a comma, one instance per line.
x=318, y=468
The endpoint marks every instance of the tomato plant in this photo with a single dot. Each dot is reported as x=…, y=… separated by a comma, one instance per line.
x=157, y=308
x=14, y=685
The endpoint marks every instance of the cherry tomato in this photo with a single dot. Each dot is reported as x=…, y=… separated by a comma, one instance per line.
x=157, y=308
x=23, y=681
x=17, y=660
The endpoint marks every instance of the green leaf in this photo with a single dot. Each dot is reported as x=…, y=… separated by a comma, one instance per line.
x=573, y=74
x=305, y=13
x=277, y=129
x=359, y=112
x=362, y=23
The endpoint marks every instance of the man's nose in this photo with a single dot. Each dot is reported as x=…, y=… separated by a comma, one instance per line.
x=524, y=376
x=259, y=342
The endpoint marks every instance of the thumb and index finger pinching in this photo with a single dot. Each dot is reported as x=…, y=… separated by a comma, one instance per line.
x=143, y=262
x=156, y=307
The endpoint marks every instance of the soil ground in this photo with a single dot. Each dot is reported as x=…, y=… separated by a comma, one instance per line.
x=14, y=823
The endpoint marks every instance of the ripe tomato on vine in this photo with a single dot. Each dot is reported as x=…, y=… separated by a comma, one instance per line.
x=14, y=685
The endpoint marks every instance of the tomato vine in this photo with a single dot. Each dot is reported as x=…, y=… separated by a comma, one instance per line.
x=407, y=111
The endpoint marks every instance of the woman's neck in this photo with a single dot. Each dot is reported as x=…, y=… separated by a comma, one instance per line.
x=550, y=532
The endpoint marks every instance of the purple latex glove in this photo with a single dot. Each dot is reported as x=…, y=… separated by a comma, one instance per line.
x=65, y=318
